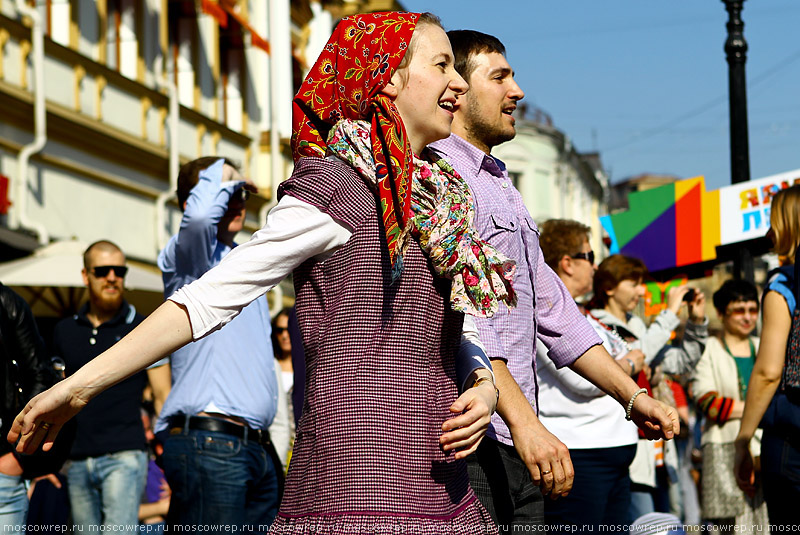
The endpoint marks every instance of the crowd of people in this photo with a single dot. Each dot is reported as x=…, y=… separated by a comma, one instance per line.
x=437, y=373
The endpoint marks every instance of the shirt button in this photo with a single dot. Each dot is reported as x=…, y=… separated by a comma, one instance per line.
x=94, y=331
x=504, y=184
x=92, y=341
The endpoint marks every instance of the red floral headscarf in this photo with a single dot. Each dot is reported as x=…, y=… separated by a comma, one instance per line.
x=345, y=83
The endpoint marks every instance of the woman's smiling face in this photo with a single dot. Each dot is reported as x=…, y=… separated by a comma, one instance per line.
x=426, y=91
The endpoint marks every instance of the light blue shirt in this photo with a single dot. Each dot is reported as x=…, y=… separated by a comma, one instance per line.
x=231, y=370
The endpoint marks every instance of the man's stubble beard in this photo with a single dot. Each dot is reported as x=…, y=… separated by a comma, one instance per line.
x=489, y=134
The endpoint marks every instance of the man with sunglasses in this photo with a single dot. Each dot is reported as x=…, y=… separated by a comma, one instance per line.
x=566, y=249
x=108, y=465
x=218, y=458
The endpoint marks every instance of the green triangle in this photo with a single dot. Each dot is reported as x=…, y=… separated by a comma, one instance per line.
x=644, y=208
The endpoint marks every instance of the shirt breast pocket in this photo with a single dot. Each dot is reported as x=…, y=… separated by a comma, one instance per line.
x=501, y=224
x=532, y=226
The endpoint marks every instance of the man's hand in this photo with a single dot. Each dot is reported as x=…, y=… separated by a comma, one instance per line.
x=230, y=174
x=52, y=478
x=44, y=416
x=475, y=408
x=546, y=457
x=656, y=419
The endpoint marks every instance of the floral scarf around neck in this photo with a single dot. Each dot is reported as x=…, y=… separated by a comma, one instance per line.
x=441, y=221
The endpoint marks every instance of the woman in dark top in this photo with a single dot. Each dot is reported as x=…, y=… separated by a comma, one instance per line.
x=780, y=445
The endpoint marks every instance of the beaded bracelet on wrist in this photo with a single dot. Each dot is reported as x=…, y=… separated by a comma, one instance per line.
x=629, y=408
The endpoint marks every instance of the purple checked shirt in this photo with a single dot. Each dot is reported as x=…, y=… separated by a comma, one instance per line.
x=544, y=306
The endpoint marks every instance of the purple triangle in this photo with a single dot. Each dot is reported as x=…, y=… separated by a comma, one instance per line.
x=655, y=245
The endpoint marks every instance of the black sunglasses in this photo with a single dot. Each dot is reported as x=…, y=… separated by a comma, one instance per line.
x=102, y=271
x=589, y=257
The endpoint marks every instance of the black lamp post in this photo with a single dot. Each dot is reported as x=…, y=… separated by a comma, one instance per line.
x=736, y=52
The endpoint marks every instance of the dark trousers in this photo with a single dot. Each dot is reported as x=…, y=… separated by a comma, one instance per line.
x=220, y=480
x=504, y=487
x=780, y=471
x=600, y=494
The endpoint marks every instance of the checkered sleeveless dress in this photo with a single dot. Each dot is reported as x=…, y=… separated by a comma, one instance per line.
x=379, y=382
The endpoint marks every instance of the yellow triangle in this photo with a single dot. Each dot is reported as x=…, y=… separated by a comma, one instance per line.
x=682, y=187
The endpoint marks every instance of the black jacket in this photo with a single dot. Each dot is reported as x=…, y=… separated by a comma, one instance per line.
x=25, y=370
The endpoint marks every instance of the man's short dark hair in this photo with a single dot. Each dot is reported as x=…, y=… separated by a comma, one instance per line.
x=468, y=43
x=101, y=245
x=190, y=174
x=733, y=291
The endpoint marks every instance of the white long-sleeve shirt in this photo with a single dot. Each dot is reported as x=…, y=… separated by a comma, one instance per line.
x=295, y=231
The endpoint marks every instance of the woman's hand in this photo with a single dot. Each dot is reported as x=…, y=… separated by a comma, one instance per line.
x=44, y=416
x=743, y=469
x=697, y=308
x=475, y=408
x=635, y=357
x=675, y=298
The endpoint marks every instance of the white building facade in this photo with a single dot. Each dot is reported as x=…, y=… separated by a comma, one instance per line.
x=556, y=182
x=129, y=90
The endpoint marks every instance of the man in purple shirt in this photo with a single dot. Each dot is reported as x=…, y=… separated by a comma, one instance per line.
x=483, y=119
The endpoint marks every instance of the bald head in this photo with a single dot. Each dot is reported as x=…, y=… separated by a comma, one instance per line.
x=102, y=246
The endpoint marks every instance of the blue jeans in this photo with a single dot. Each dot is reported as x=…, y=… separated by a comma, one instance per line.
x=13, y=504
x=780, y=471
x=601, y=492
x=107, y=490
x=220, y=480
x=503, y=485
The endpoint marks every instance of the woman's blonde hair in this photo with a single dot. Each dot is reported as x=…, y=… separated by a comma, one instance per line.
x=424, y=18
x=785, y=221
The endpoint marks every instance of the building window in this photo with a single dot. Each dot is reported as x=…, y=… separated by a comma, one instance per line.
x=515, y=177
x=182, y=39
x=232, y=62
x=56, y=16
x=121, y=46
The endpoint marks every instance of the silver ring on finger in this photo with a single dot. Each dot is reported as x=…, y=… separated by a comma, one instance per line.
x=545, y=472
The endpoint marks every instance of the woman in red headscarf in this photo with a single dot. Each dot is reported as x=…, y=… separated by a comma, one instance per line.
x=386, y=262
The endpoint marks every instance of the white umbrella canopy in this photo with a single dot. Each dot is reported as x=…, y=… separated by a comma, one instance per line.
x=50, y=281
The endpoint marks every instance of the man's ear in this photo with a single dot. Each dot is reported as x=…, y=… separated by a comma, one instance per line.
x=566, y=265
x=85, y=276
